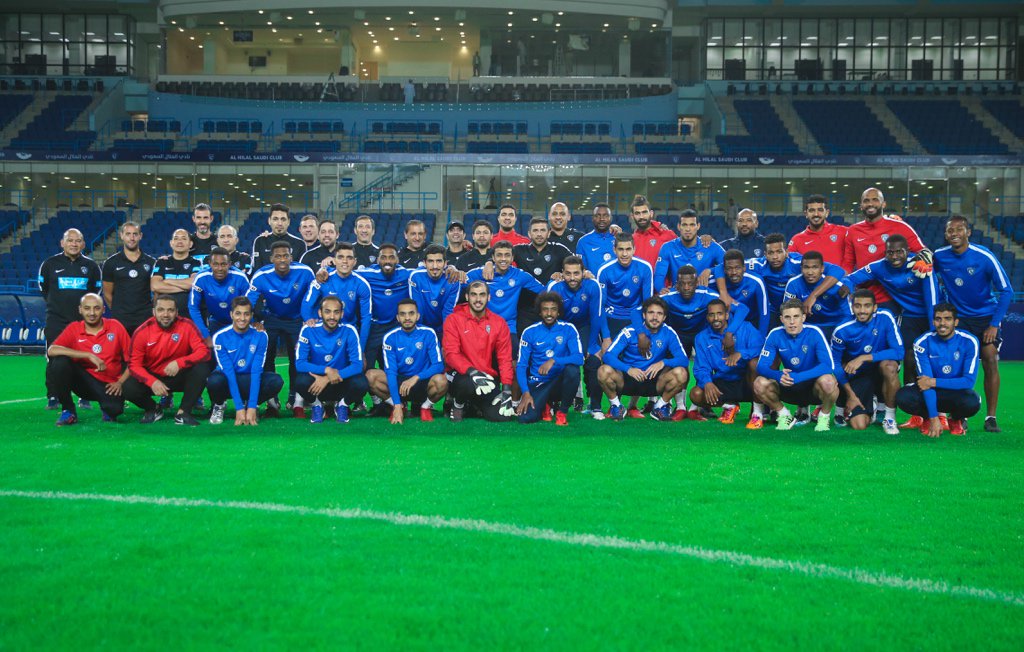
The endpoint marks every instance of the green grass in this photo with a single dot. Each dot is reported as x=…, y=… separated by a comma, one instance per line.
x=80, y=574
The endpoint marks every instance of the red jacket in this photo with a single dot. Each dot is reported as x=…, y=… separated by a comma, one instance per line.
x=648, y=243
x=511, y=236
x=153, y=348
x=829, y=242
x=865, y=244
x=110, y=345
x=471, y=342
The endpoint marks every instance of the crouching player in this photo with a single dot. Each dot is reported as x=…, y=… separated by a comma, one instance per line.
x=805, y=376
x=947, y=363
x=722, y=361
x=240, y=353
x=548, y=370
x=413, y=369
x=330, y=363
x=628, y=371
x=478, y=352
x=867, y=351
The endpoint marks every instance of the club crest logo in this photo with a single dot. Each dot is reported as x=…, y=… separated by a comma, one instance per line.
x=419, y=345
x=547, y=258
x=175, y=337
x=970, y=270
x=885, y=237
x=700, y=255
x=487, y=328
x=833, y=237
x=653, y=242
x=85, y=270
x=956, y=355
x=231, y=290
x=146, y=267
x=636, y=280
x=804, y=348
x=559, y=339
x=252, y=348
x=110, y=337
x=351, y=296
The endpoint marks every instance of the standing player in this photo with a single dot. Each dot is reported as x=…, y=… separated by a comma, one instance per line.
x=309, y=231
x=777, y=268
x=277, y=292
x=970, y=272
x=322, y=255
x=389, y=284
x=457, y=243
x=830, y=308
x=747, y=289
x=203, y=240
x=507, y=227
x=413, y=369
x=278, y=220
x=480, y=253
x=227, y=238
x=748, y=239
x=689, y=249
x=806, y=373
x=478, y=355
x=626, y=283
x=548, y=370
x=173, y=275
x=64, y=279
x=541, y=258
x=126, y=280
x=662, y=371
x=330, y=364
x=597, y=247
x=867, y=350
x=561, y=233
x=366, y=251
x=722, y=361
x=431, y=290
x=947, y=361
x=820, y=235
x=89, y=358
x=351, y=289
x=213, y=293
x=581, y=307
x=240, y=352
x=168, y=355
x=649, y=235
x=506, y=286
x=411, y=255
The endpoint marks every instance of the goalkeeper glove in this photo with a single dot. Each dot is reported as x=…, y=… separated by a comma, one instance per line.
x=922, y=266
x=482, y=383
x=504, y=401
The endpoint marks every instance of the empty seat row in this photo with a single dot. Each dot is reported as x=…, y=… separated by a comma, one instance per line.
x=563, y=128
x=231, y=126
x=313, y=127
x=405, y=127
x=478, y=128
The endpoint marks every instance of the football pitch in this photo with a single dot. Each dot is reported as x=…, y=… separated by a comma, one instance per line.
x=634, y=535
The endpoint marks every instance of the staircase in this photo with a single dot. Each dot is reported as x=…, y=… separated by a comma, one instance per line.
x=802, y=136
x=41, y=101
x=1004, y=135
x=985, y=228
x=38, y=219
x=906, y=140
x=733, y=123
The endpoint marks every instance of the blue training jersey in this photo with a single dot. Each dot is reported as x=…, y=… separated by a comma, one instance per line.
x=878, y=336
x=968, y=279
x=387, y=291
x=356, y=301
x=665, y=346
x=917, y=296
x=675, y=254
x=241, y=353
x=953, y=363
x=505, y=290
x=582, y=308
x=416, y=353
x=624, y=289
x=596, y=249
x=689, y=316
x=805, y=355
x=829, y=310
x=709, y=353
x=319, y=348
x=435, y=298
x=216, y=296
x=282, y=295
x=750, y=292
x=775, y=280
x=538, y=344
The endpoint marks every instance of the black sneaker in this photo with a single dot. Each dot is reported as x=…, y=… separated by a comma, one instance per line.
x=577, y=404
x=84, y=404
x=273, y=410
x=457, y=413
x=52, y=404
x=185, y=419
x=991, y=425
x=151, y=416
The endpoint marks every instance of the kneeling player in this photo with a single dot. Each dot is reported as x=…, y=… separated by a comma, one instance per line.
x=721, y=363
x=550, y=355
x=947, y=362
x=330, y=363
x=805, y=375
x=240, y=352
x=628, y=371
x=867, y=351
x=413, y=370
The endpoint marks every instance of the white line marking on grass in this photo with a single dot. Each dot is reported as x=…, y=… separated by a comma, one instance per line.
x=23, y=400
x=730, y=558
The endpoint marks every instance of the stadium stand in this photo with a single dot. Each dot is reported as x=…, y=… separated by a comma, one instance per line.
x=49, y=129
x=946, y=127
x=768, y=135
x=846, y=127
x=1009, y=112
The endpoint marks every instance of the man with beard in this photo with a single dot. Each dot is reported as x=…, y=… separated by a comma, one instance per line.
x=746, y=288
x=126, y=280
x=173, y=275
x=721, y=367
x=213, y=293
x=507, y=283
x=649, y=235
x=433, y=292
x=820, y=235
x=203, y=240
x=748, y=239
x=278, y=220
x=457, y=243
x=560, y=232
x=597, y=247
x=389, y=284
x=227, y=238
x=322, y=254
x=366, y=251
x=168, y=355
x=830, y=309
x=776, y=269
x=351, y=289
x=480, y=253
x=411, y=255
x=507, y=227
x=688, y=249
x=548, y=369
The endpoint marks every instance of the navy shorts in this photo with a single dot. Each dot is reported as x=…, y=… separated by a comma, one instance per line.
x=798, y=394
x=976, y=326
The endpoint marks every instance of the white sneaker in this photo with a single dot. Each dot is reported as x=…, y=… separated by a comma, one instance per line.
x=217, y=414
x=598, y=415
x=890, y=427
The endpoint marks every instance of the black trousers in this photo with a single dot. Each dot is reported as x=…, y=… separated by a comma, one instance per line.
x=64, y=376
x=463, y=390
x=191, y=382
x=352, y=389
x=561, y=390
x=288, y=331
x=959, y=403
x=217, y=384
x=594, y=391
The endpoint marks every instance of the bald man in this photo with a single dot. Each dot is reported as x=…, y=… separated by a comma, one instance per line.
x=561, y=233
x=173, y=275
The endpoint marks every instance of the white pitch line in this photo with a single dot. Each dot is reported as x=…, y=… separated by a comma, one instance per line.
x=730, y=558
x=23, y=400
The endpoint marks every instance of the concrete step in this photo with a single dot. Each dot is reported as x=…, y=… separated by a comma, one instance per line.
x=798, y=130
x=906, y=140
x=41, y=101
x=1005, y=136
